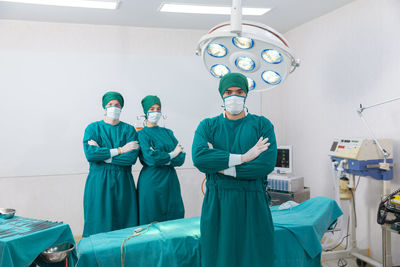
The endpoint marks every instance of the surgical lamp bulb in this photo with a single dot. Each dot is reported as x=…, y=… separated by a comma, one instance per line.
x=271, y=77
x=216, y=50
x=219, y=70
x=245, y=63
x=243, y=42
x=272, y=56
x=251, y=83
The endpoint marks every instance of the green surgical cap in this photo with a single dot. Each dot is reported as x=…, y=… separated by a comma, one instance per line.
x=233, y=79
x=148, y=101
x=107, y=97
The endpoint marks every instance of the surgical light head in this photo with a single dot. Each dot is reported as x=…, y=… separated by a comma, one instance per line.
x=256, y=50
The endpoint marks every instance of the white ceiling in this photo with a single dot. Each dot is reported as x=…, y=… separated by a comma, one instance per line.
x=285, y=14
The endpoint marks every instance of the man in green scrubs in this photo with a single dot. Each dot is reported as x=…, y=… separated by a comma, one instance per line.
x=111, y=147
x=159, y=191
x=236, y=150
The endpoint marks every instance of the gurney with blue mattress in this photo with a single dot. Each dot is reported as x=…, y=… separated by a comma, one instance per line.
x=298, y=232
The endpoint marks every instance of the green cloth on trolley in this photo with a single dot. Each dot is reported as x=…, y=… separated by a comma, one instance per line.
x=170, y=243
x=110, y=201
x=159, y=191
x=177, y=243
x=308, y=237
x=22, y=250
x=307, y=222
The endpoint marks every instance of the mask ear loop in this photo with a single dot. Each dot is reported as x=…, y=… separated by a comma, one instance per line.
x=105, y=111
x=145, y=120
x=223, y=105
x=244, y=104
x=163, y=119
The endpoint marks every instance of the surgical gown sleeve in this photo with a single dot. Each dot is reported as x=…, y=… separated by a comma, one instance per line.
x=178, y=160
x=94, y=153
x=205, y=159
x=265, y=162
x=152, y=156
x=129, y=158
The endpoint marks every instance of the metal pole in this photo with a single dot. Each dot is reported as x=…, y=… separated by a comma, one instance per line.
x=236, y=16
x=384, y=246
x=353, y=237
x=386, y=234
x=381, y=103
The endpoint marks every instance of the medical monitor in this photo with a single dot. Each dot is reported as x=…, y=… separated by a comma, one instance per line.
x=284, y=160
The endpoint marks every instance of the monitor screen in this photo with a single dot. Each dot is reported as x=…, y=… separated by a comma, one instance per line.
x=284, y=160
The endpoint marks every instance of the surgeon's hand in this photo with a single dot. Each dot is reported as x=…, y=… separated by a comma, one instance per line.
x=178, y=149
x=210, y=146
x=129, y=147
x=93, y=143
x=256, y=150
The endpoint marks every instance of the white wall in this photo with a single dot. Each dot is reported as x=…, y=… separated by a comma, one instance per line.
x=58, y=73
x=349, y=56
x=60, y=197
x=52, y=77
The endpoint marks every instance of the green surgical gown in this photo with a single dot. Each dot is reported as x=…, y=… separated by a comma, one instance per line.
x=236, y=224
x=110, y=201
x=159, y=191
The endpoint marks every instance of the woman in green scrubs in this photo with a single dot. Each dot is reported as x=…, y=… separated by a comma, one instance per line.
x=159, y=192
x=111, y=147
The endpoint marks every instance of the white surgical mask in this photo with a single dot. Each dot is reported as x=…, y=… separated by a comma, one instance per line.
x=154, y=117
x=113, y=113
x=234, y=104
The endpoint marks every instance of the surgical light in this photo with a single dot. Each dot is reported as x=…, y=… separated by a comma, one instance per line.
x=272, y=56
x=271, y=77
x=253, y=49
x=243, y=42
x=219, y=70
x=245, y=63
x=216, y=50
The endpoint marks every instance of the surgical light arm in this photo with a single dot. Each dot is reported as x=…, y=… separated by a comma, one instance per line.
x=384, y=165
